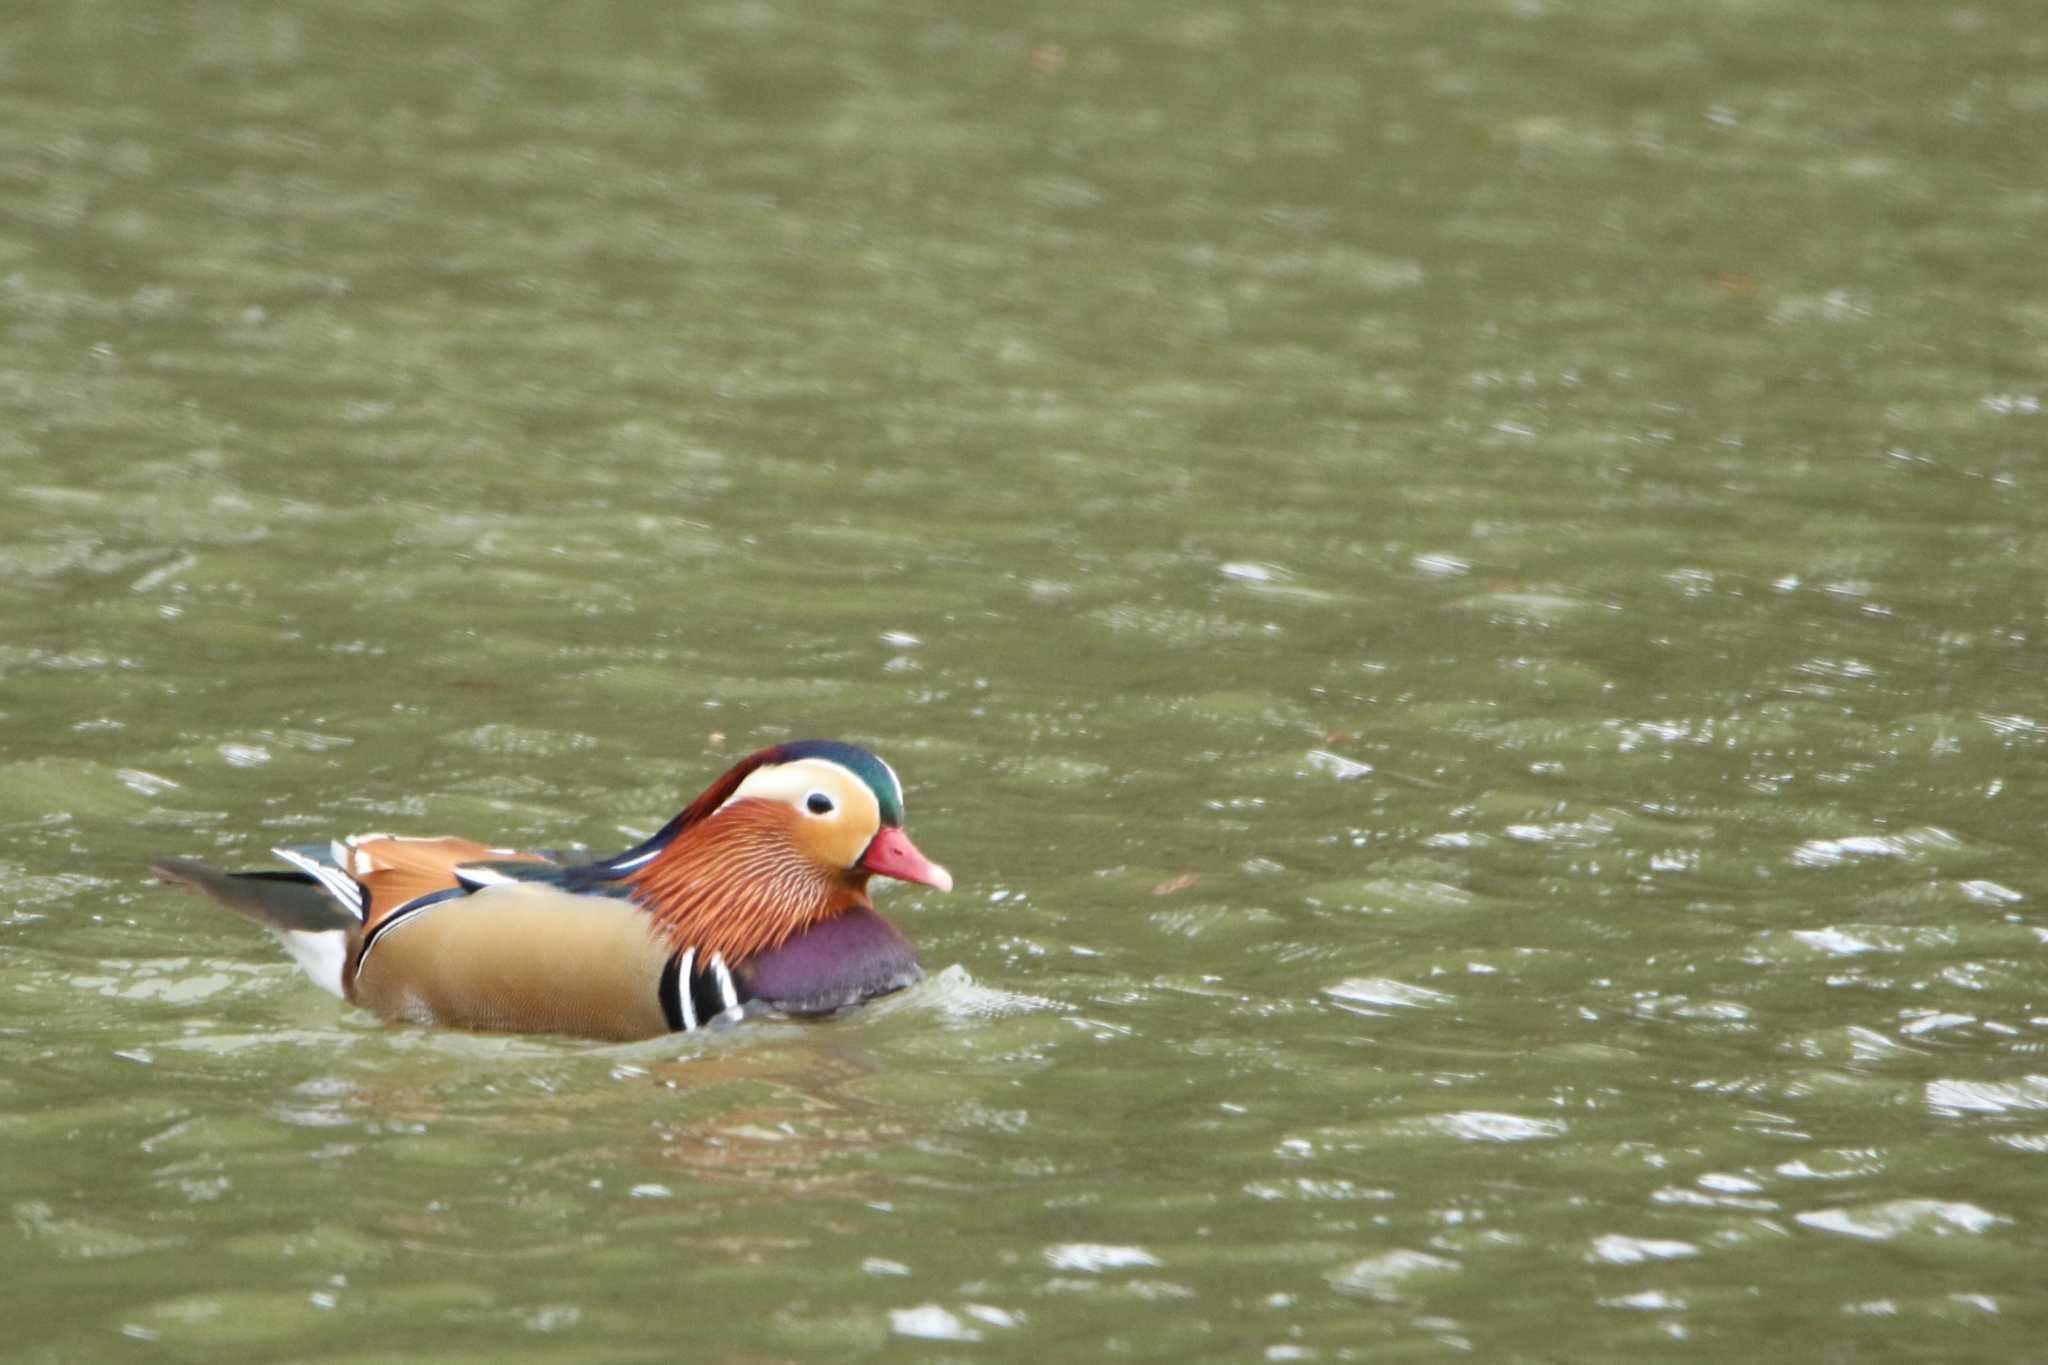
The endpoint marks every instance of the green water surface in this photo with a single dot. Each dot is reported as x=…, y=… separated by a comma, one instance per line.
x=1459, y=582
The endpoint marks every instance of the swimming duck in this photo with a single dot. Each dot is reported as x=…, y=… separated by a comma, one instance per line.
x=756, y=894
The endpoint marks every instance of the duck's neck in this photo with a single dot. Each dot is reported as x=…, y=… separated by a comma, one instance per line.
x=737, y=884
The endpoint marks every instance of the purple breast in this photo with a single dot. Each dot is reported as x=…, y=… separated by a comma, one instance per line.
x=847, y=959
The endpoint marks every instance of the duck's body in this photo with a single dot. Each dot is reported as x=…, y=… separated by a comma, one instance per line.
x=755, y=893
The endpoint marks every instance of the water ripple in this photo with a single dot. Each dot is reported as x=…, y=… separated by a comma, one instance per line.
x=1479, y=1125
x=1096, y=1257
x=1384, y=991
x=930, y=1322
x=1619, y=1249
x=1382, y=1277
x=1912, y=845
x=1951, y=1098
x=1903, y=1218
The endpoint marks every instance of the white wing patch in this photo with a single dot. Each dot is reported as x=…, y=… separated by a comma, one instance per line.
x=339, y=884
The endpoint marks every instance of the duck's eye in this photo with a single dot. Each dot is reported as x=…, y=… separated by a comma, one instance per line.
x=817, y=803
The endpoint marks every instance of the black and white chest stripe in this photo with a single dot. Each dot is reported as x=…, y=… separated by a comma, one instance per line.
x=694, y=997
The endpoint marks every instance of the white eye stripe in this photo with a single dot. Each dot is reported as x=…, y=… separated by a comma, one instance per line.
x=795, y=786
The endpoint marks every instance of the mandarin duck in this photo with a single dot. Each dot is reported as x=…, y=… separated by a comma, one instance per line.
x=755, y=895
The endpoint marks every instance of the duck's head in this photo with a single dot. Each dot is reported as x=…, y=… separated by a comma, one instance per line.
x=787, y=838
x=847, y=809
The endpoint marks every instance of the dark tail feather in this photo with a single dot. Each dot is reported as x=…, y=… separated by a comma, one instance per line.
x=282, y=902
